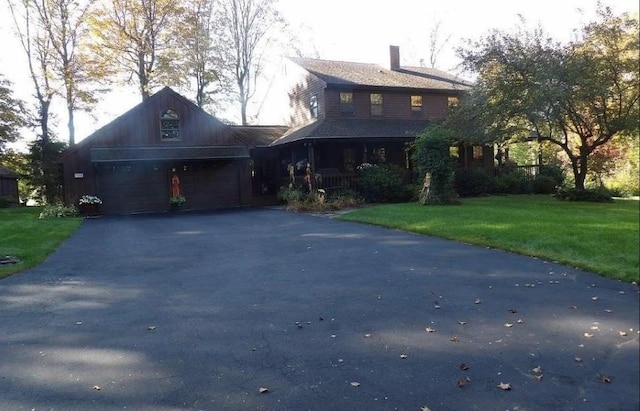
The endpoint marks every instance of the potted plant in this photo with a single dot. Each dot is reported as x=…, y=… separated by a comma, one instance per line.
x=89, y=205
x=176, y=202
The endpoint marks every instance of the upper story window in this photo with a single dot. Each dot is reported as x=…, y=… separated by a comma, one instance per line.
x=169, y=125
x=313, y=106
x=376, y=104
x=346, y=103
x=416, y=106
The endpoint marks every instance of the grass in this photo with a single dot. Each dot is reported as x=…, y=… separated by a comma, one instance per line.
x=24, y=235
x=600, y=238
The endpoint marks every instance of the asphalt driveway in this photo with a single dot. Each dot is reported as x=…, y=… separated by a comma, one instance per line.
x=204, y=311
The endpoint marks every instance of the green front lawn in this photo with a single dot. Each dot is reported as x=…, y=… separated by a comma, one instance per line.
x=30, y=239
x=601, y=238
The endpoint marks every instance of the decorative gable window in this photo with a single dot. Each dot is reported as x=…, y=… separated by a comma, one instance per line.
x=169, y=125
x=416, y=106
x=346, y=103
x=313, y=106
x=376, y=104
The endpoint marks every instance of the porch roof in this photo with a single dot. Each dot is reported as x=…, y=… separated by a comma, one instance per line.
x=354, y=129
x=101, y=155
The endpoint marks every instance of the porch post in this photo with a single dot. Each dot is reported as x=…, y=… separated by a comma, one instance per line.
x=311, y=154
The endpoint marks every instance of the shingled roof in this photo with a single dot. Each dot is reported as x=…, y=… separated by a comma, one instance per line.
x=6, y=173
x=355, y=129
x=344, y=73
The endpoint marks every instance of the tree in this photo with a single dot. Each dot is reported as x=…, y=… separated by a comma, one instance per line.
x=12, y=116
x=200, y=45
x=434, y=162
x=64, y=23
x=37, y=46
x=577, y=96
x=435, y=44
x=249, y=27
x=134, y=39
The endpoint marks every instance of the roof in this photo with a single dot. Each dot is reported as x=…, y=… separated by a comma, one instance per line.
x=344, y=73
x=132, y=112
x=102, y=155
x=259, y=136
x=6, y=173
x=355, y=129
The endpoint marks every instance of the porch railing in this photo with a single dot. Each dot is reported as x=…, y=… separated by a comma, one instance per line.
x=332, y=181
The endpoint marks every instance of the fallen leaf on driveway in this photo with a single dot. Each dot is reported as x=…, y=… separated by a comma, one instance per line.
x=429, y=329
x=604, y=378
x=367, y=335
x=263, y=390
x=508, y=325
x=462, y=322
x=151, y=327
x=595, y=298
x=519, y=320
x=97, y=388
x=464, y=367
x=588, y=335
x=478, y=301
x=355, y=384
x=538, y=377
x=462, y=382
x=425, y=408
x=505, y=386
x=453, y=339
x=577, y=359
x=512, y=311
x=622, y=333
x=403, y=356
x=537, y=370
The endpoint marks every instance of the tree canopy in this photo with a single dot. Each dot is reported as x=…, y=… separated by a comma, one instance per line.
x=12, y=116
x=577, y=96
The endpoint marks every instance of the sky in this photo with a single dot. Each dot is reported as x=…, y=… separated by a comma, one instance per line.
x=358, y=31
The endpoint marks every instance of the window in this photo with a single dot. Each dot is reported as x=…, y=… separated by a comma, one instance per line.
x=346, y=103
x=477, y=152
x=170, y=125
x=376, y=104
x=452, y=101
x=416, y=106
x=313, y=106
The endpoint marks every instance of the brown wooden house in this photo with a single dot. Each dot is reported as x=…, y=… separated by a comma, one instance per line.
x=343, y=114
x=9, y=185
x=130, y=162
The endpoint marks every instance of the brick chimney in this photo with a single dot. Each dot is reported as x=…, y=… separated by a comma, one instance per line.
x=394, y=58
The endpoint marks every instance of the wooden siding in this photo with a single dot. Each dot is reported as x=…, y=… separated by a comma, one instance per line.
x=144, y=187
x=9, y=188
x=300, y=96
x=396, y=105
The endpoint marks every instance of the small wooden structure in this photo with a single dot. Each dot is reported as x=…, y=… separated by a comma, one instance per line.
x=9, y=185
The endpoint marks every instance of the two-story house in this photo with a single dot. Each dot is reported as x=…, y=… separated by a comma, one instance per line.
x=343, y=114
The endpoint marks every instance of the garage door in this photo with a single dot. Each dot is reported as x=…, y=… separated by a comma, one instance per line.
x=133, y=188
x=209, y=185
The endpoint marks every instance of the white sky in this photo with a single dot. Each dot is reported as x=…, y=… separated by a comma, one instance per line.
x=360, y=31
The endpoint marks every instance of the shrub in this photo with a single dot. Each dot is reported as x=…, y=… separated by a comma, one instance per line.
x=544, y=184
x=597, y=195
x=288, y=195
x=58, y=210
x=473, y=182
x=554, y=172
x=5, y=201
x=381, y=184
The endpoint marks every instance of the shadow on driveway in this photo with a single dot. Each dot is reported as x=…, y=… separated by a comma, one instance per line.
x=199, y=311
